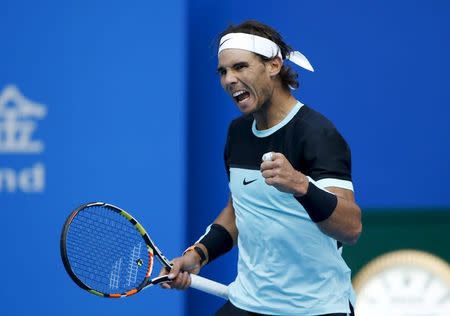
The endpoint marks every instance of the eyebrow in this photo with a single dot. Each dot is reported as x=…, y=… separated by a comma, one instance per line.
x=239, y=63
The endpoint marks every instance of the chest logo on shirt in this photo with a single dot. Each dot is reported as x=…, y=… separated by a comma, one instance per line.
x=244, y=182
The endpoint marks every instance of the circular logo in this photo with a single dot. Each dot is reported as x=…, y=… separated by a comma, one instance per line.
x=403, y=283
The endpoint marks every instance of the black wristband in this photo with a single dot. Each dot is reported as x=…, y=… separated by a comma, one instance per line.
x=200, y=253
x=217, y=241
x=319, y=203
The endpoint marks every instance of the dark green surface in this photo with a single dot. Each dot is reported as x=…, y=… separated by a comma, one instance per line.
x=390, y=229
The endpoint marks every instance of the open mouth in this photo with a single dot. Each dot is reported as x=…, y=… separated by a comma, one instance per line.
x=241, y=95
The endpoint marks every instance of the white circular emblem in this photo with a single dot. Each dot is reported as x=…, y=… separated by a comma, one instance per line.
x=404, y=283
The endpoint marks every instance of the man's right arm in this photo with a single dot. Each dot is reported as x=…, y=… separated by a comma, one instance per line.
x=190, y=261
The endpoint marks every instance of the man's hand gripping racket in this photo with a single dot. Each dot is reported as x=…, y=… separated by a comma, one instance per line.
x=108, y=253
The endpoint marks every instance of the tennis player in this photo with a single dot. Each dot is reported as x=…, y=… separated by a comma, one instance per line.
x=291, y=204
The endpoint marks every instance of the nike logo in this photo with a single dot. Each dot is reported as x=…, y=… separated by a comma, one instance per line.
x=244, y=182
x=224, y=42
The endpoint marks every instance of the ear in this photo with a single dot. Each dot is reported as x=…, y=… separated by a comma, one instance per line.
x=274, y=66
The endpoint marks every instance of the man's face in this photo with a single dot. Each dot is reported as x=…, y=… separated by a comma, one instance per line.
x=246, y=78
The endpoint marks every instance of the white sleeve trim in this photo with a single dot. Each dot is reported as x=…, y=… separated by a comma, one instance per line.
x=330, y=182
x=206, y=232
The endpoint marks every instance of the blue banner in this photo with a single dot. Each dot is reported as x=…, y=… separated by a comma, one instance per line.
x=92, y=101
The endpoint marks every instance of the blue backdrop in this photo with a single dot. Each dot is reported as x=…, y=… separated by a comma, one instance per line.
x=111, y=80
x=107, y=101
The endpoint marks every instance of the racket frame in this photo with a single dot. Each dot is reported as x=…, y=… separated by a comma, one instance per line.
x=151, y=248
x=197, y=282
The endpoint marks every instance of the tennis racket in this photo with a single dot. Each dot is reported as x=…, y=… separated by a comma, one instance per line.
x=108, y=253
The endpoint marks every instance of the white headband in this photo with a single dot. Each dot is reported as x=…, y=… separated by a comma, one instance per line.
x=261, y=45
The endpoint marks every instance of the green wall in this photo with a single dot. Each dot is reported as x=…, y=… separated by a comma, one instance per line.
x=393, y=229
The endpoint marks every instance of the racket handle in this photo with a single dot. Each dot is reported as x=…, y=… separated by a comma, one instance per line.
x=208, y=286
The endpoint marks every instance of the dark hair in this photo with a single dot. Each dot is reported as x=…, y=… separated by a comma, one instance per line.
x=287, y=75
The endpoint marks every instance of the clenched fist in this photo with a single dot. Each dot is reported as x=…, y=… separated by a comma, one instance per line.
x=279, y=173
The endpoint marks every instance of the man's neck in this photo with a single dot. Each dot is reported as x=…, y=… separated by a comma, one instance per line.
x=274, y=111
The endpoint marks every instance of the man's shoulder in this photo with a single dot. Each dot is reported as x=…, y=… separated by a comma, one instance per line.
x=311, y=120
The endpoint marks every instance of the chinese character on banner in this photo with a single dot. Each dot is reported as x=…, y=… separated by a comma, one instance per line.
x=18, y=123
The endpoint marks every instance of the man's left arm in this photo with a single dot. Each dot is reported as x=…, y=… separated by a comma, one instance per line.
x=344, y=223
x=333, y=209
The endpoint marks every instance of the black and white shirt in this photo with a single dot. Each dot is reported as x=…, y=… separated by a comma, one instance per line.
x=286, y=264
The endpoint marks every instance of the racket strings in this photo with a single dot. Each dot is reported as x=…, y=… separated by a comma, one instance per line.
x=101, y=236
x=86, y=246
x=106, y=251
x=86, y=261
x=89, y=251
